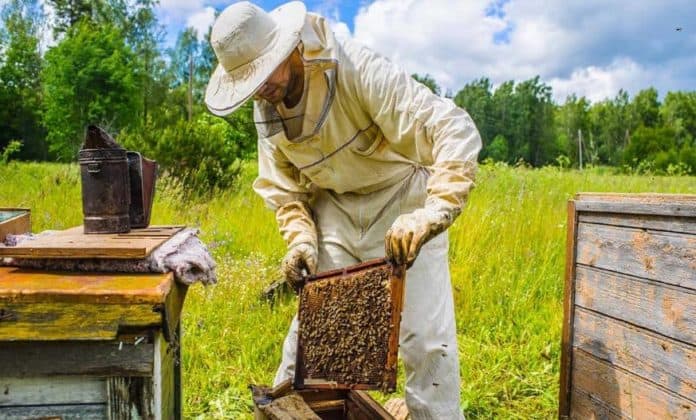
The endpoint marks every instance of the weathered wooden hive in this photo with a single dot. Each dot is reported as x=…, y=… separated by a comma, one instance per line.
x=629, y=337
x=77, y=345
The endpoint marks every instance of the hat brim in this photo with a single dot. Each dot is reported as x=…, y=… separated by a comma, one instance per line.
x=227, y=91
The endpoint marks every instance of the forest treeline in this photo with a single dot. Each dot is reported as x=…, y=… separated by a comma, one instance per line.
x=102, y=62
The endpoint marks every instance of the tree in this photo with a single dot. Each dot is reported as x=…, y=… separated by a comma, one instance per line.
x=646, y=108
x=678, y=112
x=429, y=82
x=89, y=78
x=69, y=13
x=20, y=89
x=499, y=150
x=572, y=120
x=475, y=98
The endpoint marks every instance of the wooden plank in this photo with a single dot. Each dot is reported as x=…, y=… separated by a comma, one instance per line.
x=668, y=363
x=55, y=412
x=397, y=279
x=368, y=405
x=651, y=204
x=664, y=223
x=568, y=304
x=666, y=310
x=656, y=255
x=73, y=321
x=130, y=398
x=164, y=389
x=14, y=221
x=584, y=406
x=72, y=243
x=172, y=309
x=626, y=393
x=34, y=286
x=101, y=358
x=54, y=390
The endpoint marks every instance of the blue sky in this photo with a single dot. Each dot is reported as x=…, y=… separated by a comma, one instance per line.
x=591, y=48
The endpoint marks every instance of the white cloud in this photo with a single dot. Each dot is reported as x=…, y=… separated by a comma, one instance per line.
x=597, y=83
x=201, y=21
x=591, y=47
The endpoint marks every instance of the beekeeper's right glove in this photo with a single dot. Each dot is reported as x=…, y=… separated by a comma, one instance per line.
x=300, y=260
x=299, y=231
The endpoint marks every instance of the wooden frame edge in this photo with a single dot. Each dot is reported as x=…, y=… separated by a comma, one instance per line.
x=568, y=304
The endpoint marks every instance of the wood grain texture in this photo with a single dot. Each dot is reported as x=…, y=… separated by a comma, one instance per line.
x=650, y=204
x=368, y=405
x=639, y=221
x=73, y=243
x=568, y=305
x=130, y=398
x=34, y=286
x=585, y=406
x=656, y=255
x=73, y=321
x=625, y=393
x=665, y=310
x=101, y=358
x=164, y=389
x=55, y=412
x=397, y=282
x=51, y=391
x=668, y=363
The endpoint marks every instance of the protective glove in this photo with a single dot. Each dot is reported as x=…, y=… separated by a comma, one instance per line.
x=411, y=231
x=300, y=257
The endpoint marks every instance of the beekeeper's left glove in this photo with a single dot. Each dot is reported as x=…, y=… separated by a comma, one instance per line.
x=411, y=231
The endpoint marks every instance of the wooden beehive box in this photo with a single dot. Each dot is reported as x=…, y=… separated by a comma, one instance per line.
x=89, y=345
x=14, y=221
x=282, y=402
x=629, y=333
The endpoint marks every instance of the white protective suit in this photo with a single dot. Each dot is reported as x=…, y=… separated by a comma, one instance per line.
x=373, y=144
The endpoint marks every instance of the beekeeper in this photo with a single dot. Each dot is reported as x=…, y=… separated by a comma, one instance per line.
x=358, y=160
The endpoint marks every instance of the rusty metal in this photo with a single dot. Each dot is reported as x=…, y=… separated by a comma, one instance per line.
x=105, y=190
x=143, y=175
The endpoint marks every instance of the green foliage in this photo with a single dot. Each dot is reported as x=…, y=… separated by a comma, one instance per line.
x=655, y=149
x=521, y=113
x=12, y=147
x=89, y=78
x=204, y=154
x=20, y=88
x=499, y=150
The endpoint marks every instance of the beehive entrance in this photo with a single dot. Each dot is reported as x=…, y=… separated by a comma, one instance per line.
x=348, y=333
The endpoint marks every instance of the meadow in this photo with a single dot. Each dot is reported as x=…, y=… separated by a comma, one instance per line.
x=507, y=262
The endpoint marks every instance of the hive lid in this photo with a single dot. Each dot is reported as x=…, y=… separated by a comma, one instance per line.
x=74, y=243
x=349, y=323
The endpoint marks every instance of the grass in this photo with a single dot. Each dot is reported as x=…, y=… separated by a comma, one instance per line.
x=507, y=261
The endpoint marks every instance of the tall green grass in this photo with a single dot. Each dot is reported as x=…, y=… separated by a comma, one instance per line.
x=507, y=261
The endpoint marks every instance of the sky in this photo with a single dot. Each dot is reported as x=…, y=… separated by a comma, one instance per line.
x=591, y=48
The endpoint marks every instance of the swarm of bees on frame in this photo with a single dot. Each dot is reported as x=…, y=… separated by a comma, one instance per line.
x=345, y=324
